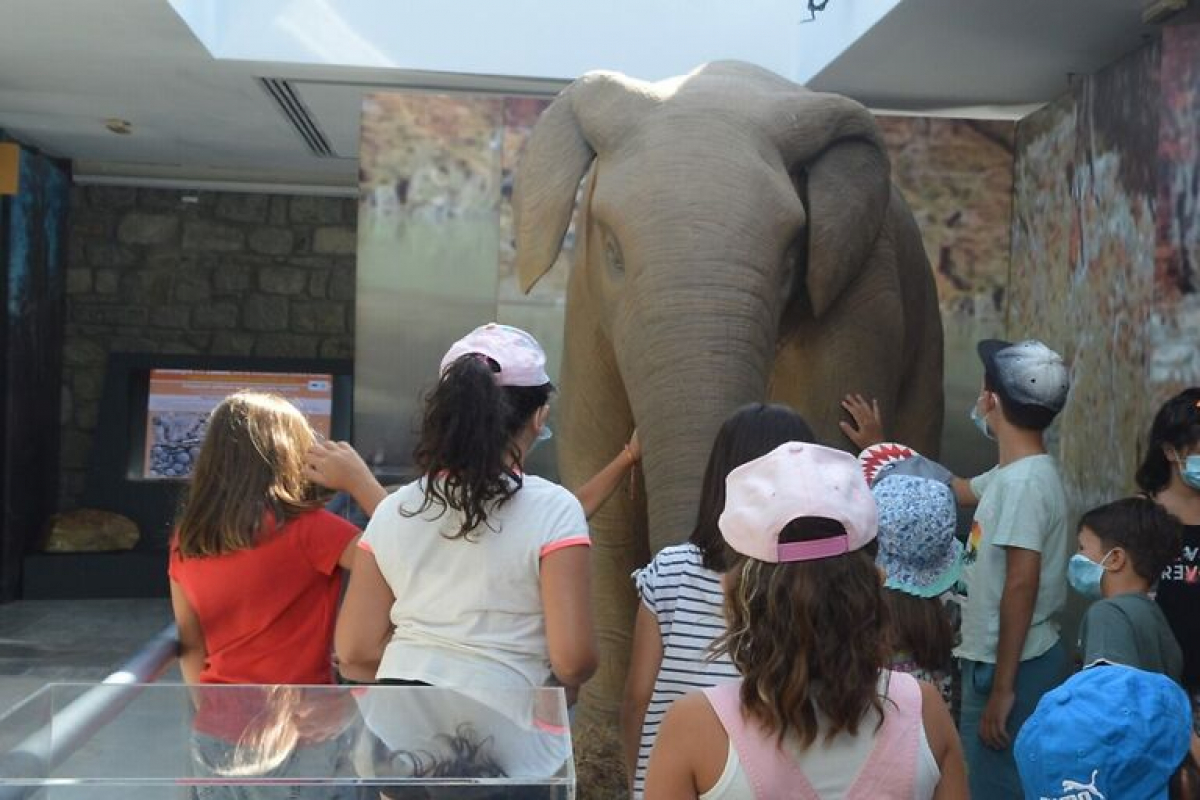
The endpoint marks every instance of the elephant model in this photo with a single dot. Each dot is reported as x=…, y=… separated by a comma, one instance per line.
x=739, y=240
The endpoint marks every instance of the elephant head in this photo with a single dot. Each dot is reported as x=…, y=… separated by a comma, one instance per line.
x=724, y=209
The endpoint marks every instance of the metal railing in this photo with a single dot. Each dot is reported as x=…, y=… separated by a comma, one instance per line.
x=77, y=722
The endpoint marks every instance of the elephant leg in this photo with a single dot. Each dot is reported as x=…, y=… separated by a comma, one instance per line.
x=596, y=422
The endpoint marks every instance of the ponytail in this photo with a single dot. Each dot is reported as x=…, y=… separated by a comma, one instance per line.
x=466, y=451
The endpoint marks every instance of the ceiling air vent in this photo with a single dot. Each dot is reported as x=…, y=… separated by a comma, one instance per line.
x=297, y=114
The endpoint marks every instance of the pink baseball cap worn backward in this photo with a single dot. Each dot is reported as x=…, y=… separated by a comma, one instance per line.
x=521, y=359
x=797, y=480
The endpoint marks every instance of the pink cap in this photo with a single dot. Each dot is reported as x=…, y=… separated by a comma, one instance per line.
x=797, y=480
x=522, y=360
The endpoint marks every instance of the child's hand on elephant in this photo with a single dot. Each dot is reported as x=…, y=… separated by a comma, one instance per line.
x=634, y=448
x=867, y=428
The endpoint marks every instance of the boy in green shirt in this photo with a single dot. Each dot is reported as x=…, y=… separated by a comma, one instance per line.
x=1123, y=548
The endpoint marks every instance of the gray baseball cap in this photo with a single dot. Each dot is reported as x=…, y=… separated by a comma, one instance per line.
x=1027, y=374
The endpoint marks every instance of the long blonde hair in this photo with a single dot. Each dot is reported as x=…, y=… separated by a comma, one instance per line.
x=251, y=463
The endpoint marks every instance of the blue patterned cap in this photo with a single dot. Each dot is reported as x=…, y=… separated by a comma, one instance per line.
x=917, y=546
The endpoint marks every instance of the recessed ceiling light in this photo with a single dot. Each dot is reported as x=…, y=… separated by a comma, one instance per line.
x=119, y=126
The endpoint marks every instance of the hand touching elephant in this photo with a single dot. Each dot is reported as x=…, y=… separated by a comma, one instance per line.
x=739, y=240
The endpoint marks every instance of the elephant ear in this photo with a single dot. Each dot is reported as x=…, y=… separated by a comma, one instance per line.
x=588, y=117
x=835, y=143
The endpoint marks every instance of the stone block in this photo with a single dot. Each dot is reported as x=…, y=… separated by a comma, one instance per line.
x=90, y=530
x=327, y=317
x=229, y=343
x=278, y=214
x=79, y=281
x=341, y=284
x=111, y=196
x=173, y=345
x=134, y=342
x=86, y=384
x=107, y=254
x=337, y=347
x=271, y=241
x=138, y=227
x=335, y=240
x=264, y=312
x=318, y=283
x=242, y=207
x=309, y=210
x=172, y=316
x=282, y=280
x=192, y=289
x=286, y=345
x=110, y=315
x=216, y=316
x=146, y=286
x=83, y=352
x=108, y=281
x=172, y=199
x=86, y=416
x=231, y=278
x=213, y=237
x=73, y=449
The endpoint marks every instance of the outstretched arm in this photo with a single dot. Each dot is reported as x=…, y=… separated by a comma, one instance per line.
x=596, y=491
x=867, y=430
x=336, y=465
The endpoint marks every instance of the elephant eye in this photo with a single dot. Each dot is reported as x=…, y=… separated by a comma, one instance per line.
x=612, y=254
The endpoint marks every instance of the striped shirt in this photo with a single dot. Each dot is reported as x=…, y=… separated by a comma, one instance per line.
x=685, y=598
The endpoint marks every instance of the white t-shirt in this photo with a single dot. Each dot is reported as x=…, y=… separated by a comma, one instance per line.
x=470, y=612
x=1023, y=505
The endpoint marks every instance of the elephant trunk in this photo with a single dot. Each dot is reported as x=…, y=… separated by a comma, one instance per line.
x=689, y=367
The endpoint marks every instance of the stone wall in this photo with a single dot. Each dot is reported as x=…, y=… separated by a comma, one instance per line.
x=213, y=273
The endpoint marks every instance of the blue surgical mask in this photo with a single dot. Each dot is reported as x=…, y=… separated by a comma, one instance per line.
x=1085, y=575
x=1189, y=471
x=544, y=434
x=981, y=421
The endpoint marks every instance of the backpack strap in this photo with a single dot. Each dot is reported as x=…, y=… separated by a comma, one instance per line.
x=773, y=775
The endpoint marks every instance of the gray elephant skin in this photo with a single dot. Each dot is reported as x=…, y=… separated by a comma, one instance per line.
x=739, y=239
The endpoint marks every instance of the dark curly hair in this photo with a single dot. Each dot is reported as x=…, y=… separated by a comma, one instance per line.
x=1175, y=426
x=1150, y=534
x=808, y=636
x=466, y=451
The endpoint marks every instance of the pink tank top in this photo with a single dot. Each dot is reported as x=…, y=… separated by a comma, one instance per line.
x=888, y=773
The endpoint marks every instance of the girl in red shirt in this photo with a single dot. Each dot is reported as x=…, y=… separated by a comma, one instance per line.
x=256, y=572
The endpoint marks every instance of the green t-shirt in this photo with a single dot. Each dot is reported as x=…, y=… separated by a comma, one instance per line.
x=1130, y=630
x=1023, y=505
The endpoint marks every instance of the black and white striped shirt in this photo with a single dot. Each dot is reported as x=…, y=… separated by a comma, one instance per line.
x=685, y=598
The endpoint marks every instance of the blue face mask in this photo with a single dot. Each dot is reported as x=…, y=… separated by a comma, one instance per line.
x=543, y=435
x=1085, y=575
x=1189, y=472
x=981, y=422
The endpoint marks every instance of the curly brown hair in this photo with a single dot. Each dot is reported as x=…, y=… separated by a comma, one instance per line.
x=808, y=636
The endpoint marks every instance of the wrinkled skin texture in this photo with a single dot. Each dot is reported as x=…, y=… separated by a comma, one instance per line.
x=740, y=241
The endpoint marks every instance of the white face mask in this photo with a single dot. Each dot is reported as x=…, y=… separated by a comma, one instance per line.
x=980, y=420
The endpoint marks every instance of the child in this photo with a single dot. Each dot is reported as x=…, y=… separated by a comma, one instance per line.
x=1111, y=732
x=255, y=575
x=816, y=713
x=922, y=561
x=256, y=564
x=1016, y=560
x=1170, y=475
x=476, y=574
x=1123, y=548
x=679, y=616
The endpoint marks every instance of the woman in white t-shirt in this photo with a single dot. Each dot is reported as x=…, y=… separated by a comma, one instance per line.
x=475, y=574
